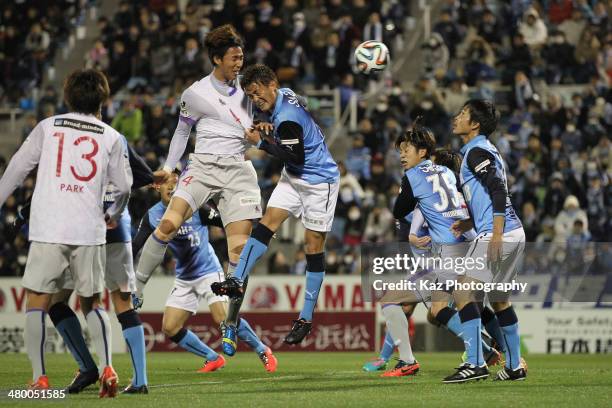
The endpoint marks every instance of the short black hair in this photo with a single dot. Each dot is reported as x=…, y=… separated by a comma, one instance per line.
x=484, y=113
x=448, y=158
x=85, y=90
x=221, y=39
x=420, y=137
x=257, y=73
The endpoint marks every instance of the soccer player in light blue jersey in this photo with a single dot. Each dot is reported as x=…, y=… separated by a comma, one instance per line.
x=197, y=266
x=308, y=188
x=500, y=240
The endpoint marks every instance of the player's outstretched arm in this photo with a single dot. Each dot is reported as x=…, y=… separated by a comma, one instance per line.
x=26, y=158
x=120, y=175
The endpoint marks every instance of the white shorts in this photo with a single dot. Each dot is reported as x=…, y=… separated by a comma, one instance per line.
x=186, y=295
x=230, y=181
x=512, y=252
x=49, y=265
x=119, y=271
x=446, y=259
x=120, y=267
x=314, y=203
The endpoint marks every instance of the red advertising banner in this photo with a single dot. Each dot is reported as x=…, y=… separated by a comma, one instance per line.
x=333, y=331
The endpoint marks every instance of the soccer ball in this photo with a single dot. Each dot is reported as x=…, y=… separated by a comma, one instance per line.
x=371, y=56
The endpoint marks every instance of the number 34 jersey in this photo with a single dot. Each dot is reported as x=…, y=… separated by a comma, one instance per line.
x=194, y=255
x=77, y=156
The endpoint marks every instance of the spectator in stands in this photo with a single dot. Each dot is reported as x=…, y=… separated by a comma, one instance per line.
x=559, y=11
x=533, y=29
x=490, y=30
x=559, y=57
x=555, y=195
x=128, y=121
x=193, y=63
x=523, y=91
x=97, y=57
x=480, y=61
x=519, y=59
x=380, y=223
x=449, y=30
x=374, y=29
x=587, y=53
x=358, y=158
x=564, y=222
x=573, y=27
x=435, y=54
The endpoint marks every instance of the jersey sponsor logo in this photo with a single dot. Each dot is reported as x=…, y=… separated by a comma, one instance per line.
x=244, y=201
x=78, y=125
x=482, y=166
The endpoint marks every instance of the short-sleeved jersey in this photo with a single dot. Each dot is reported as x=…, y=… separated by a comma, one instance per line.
x=435, y=189
x=476, y=193
x=194, y=255
x=78, y=156
x=220, y=114
x=319, y=166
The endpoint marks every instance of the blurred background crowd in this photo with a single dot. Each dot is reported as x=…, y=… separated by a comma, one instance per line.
x=547, y=64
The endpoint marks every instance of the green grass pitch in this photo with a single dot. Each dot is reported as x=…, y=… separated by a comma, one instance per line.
x=328, y=379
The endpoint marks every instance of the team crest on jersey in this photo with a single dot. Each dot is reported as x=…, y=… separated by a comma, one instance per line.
x=183, y=107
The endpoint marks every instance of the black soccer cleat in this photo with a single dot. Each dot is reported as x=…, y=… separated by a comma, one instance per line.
x=467, y=372
x=130, y=389
x=507, y=374
x=230, y=287
x=300, y=329
x=82, y=380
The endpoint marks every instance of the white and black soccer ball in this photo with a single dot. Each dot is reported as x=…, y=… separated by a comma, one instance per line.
x=372, y=56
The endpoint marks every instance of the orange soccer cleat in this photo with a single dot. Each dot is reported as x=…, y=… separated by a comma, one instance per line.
x=108, y=383
x=269, y=360
x=210, y=366
x=41, y=384
x=402, y=369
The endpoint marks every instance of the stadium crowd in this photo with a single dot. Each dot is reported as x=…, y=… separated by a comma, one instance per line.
x=556, y=143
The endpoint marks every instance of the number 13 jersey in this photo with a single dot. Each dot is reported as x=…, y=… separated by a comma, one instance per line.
x=78, y=155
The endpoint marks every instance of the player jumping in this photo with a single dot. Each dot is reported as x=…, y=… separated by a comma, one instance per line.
x=501, y=239
x=308, y=188
x=77, y=155
x=197, y=267
x=220, y=111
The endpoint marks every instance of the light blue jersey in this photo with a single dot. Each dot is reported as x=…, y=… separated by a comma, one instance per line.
x=194, y=255
x=476, y=193
x=435, y=189
x=319, y=166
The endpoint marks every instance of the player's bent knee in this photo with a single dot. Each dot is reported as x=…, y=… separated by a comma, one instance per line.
x=166, y=230
x=170, y=328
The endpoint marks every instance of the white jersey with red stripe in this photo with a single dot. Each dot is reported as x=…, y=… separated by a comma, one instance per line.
x=77, y=156
x=220, y=112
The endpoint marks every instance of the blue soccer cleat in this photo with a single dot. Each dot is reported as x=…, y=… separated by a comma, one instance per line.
x=230, y=342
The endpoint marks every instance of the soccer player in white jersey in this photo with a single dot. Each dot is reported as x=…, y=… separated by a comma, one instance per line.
x=77, y=155
x=220, y=111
